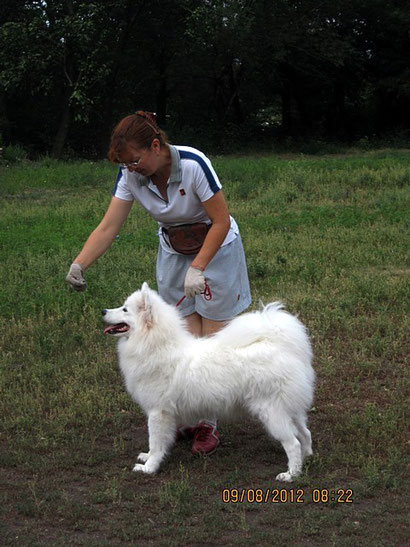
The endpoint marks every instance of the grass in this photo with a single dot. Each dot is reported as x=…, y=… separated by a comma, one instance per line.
x=326, y=234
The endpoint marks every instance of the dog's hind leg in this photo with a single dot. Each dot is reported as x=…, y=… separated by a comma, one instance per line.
x=161, y=427
x=303, y=435
x=280, y=425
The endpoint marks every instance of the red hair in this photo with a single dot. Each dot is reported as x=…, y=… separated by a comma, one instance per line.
x=139, y=129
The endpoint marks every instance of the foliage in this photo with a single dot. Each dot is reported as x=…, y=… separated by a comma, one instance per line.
x=69, y=69
x=13, y=154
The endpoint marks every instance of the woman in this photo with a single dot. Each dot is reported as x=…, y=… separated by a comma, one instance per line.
x=177, y=186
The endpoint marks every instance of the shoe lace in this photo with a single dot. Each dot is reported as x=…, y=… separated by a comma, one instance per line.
x=203, y=433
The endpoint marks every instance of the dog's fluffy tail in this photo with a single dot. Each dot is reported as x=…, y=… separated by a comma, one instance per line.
x=272, y=307
x=271, y=324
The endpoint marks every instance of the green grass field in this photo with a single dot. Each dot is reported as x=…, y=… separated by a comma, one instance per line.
x=329, y=236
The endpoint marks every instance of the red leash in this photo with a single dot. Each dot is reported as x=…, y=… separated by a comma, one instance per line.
x=206, y=292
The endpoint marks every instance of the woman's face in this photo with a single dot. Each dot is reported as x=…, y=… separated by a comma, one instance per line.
x=141, y=160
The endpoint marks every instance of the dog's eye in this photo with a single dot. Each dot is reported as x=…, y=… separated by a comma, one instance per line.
x=124, y=309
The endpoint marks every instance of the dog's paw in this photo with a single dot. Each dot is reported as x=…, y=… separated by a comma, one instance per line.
x=143, y=468
x=307, y=452
x=284, y=477
x=143, y=457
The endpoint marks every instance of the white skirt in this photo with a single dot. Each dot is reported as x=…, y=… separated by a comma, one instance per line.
x=226, y=275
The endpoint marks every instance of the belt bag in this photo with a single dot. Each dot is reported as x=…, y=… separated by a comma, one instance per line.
x=187, y=239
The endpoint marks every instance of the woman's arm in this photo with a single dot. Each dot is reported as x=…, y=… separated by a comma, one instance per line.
x=217, y=210
x=102, y=237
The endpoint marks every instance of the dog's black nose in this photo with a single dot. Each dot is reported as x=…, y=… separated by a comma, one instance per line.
x=104, y=312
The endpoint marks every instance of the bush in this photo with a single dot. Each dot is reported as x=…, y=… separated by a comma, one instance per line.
x=14, y=154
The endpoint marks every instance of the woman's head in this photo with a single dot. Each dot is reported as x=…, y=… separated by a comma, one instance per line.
x=137, y=130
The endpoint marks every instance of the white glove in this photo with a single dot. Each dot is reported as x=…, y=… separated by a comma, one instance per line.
x=75, y=277
x=194, y=282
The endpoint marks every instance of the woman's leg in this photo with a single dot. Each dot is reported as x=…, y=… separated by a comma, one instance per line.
x=194, y=324
x=209, y=326
x=199, y=326
x=205, y=434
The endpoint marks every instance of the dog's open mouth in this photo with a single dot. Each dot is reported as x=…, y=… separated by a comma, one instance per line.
x=119, y=328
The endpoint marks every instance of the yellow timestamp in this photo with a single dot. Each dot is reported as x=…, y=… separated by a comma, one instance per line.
x=284, y=495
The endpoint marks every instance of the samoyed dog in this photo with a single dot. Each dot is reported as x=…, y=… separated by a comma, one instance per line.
x=259, y=365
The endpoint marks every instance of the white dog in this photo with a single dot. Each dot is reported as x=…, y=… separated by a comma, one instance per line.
x=260, y=363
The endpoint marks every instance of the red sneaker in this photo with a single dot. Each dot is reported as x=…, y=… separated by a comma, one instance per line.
x=206, y=439
x=185, y=433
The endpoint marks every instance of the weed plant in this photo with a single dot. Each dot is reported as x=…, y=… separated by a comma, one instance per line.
x=328, y=235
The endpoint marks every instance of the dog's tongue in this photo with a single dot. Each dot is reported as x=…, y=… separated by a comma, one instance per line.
x=114, y=329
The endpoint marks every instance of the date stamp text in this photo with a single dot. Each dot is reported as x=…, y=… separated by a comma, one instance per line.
x=283, y=495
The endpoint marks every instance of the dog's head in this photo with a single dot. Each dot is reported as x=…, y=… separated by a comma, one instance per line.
x=135, y=313
x=141, y=312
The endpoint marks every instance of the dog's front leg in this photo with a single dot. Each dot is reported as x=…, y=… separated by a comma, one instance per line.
x=161, y=428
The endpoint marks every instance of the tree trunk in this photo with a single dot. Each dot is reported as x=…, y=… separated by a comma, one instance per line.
x=287, y=124
x=4, y=122
x=161, y=101
x=133, y=12
x=62, y=132
x=162, y=93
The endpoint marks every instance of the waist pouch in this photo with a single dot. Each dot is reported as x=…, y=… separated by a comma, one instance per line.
x=187, y=239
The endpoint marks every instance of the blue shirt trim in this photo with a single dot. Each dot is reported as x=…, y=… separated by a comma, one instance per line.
x=185, y=155
x=117, y=180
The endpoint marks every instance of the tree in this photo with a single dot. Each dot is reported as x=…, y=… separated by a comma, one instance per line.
x=330, y=69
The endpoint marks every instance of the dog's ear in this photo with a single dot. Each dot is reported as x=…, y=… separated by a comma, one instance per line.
x=145, y=286
x=147, y=306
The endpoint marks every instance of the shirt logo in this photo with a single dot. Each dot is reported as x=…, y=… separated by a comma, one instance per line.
x=182, y=192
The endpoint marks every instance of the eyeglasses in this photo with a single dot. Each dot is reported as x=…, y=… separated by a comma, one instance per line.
x=130, y=164
x=135, y=163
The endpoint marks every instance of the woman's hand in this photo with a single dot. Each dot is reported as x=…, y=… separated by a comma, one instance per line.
x=75, y=277
x=194, y=282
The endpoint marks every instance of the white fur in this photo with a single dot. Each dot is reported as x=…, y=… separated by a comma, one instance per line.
x=259, y=364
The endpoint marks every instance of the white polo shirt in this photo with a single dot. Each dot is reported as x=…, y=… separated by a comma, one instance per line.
x=192, y=181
